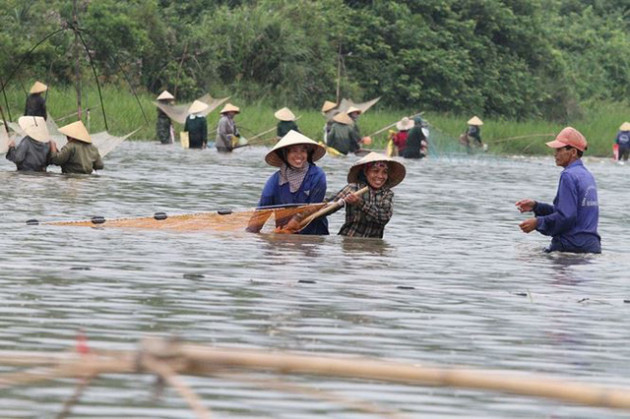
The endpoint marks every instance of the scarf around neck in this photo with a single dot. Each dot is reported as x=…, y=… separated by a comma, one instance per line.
x=293, y=176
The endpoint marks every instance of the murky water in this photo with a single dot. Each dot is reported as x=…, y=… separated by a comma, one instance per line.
x=454, y=282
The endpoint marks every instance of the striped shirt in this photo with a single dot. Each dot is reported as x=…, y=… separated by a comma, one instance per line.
x=367, y=219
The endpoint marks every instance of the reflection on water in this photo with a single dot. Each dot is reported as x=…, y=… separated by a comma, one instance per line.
x=454, y=282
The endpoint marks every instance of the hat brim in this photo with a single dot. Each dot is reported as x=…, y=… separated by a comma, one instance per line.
x=395, y=174
x=556, y=144
x=273, y=159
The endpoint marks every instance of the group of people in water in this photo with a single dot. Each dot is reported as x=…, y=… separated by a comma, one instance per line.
x=571, y=220
x=37, y=150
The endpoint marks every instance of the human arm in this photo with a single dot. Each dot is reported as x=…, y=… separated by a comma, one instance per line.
x=62, y=157
x=98, y=163
x=16, y=154
x=563, y=214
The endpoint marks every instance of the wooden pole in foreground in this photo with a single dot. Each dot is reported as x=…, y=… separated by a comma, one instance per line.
x=201, y=360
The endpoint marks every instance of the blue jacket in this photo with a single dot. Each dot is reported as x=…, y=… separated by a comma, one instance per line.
x=572, y=219
x=623, y=139
x=312, y=190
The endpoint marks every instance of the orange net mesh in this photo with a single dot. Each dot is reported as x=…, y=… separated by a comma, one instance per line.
x=253, y=220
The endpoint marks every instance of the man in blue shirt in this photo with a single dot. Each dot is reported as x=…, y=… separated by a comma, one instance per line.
x=572, y=219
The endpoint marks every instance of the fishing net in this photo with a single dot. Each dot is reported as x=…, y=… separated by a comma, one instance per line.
x=346, y=104
x=178, y=113
x=254, y=219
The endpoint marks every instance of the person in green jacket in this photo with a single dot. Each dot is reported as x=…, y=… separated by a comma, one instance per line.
x=196, y=125
x=79, y=155
x=342, y=136
x=287, y=122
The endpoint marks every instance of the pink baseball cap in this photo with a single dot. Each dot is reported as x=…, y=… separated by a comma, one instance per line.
x=569, y=136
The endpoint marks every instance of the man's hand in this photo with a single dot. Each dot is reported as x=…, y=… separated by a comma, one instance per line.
x=11, y=144
x=53, y=146
x=528, y=225
x=525, y=205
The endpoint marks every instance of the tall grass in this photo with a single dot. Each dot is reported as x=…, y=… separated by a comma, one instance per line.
x=599, y=124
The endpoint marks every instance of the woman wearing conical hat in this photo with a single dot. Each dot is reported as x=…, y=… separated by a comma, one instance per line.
x=287, y=122
x=367, y=215
x=35, y=103
x=227, y=132
x=298, y=180
x=79, y=155
x=163, y=125
x=33, y=152
x=623, y=142
x=342, y=136
x=196, y=125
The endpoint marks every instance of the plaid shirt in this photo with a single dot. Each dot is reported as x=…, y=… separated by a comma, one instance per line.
x=367, y=219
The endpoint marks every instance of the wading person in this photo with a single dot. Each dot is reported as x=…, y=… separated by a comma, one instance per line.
x=328, y=110
x=298, y=180
x=227, y=132
x=342, y=137
x=623, y=142
x=572, y=219
x=35, y=102
x=472, y=136
x=287, y=122
x=33, y=152
x=400, y=138
x=79, y=155
x=368, y=214
x=354, y=113
x=163, y=125
x=196, y=125
x=417, y=146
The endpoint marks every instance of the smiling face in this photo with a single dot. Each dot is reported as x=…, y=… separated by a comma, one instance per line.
x=565, y=156
x=297, y=156
x=377, y=175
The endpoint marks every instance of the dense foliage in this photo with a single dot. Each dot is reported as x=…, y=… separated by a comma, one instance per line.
x=513, y=58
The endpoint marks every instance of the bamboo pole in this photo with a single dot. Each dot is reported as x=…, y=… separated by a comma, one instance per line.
x=392, y=124
x=328, y=209
x=500, y=140
x=169, y=376
x=199, y=360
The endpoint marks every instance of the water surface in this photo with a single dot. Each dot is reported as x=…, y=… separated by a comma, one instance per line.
x=454, y=282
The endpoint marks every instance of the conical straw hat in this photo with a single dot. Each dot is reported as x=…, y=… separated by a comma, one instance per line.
x=343, y=118
x=284, y=114
x=625, y=126
x=38, y=87
x=77, y=131
x=35, y=127
x=230, y=108
x=197, y=106
x=328, y=106
x=165, y=95
x=354, y=109
x=475, y=121
x=405, y=124
x=395, y=175
x=293, y=138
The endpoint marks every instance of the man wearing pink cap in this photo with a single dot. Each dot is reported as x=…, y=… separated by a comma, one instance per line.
x=572, y=219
